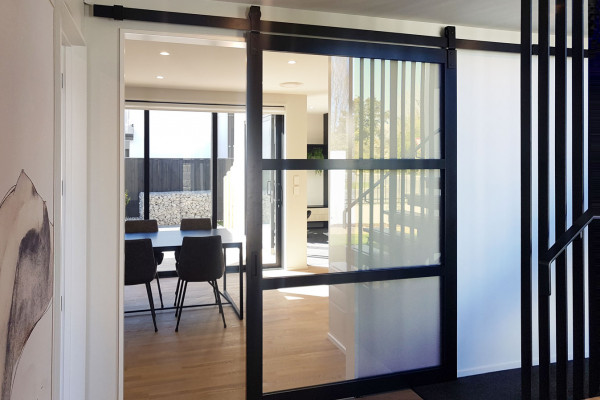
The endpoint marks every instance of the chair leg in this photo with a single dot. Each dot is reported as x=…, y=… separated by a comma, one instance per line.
x=184, y=289
x=151, y=301
x=214, y=293
x=177, y=292
x=177, y=288
x=219, y=303
x=159, y=291
x=180, y=283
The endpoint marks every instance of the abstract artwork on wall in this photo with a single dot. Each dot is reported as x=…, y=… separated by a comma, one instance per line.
x=26, y=289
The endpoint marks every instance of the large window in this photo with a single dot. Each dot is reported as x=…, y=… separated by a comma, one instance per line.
x=170, y=162
x=177, y=147
x=180, y=166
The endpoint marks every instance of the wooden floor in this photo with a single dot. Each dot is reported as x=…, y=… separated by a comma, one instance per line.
x=205, y=361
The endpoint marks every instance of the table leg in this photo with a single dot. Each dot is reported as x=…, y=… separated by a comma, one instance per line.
x=241, y=264
x=239, y=311
x=225, y=272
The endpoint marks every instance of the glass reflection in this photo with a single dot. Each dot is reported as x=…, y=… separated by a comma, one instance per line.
x=384, y=219
x=384, y=109
x=349, y=331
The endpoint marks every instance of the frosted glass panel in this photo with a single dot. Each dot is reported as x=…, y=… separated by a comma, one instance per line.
x=397, y=326
x=323, y=334
x=384, y=109
x=383, y=219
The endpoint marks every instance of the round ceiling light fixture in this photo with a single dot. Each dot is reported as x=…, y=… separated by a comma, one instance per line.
x=160, y=77
x=290, y=85
x=292, y=62
x=165, y=53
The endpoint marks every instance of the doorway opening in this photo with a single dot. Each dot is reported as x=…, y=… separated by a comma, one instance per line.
x=184, y=157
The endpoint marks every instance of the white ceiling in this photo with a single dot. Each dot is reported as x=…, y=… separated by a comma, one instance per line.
x=500, y=14
x=206, y=66
x=217, y=68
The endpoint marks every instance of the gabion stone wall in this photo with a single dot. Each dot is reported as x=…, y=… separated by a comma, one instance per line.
x=168, y=208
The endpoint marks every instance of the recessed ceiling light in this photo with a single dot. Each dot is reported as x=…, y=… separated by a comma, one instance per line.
x=160, y=77
x=165, y=53
x=292, y=62
x=291, y=85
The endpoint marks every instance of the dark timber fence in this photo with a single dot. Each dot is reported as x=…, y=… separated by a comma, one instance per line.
x=172, y=175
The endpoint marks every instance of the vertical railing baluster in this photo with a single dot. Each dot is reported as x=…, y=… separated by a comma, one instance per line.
x=593, y=238
x=560, y=202
x=543, y=213
x=361, y=135
x=577, y=179
x=382, y=147
x=413, y=154
x=393, y=189
x=371, y=187
x=403, y=218
x=526, y=280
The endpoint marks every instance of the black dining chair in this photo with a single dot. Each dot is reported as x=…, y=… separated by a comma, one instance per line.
x=195, y=224
x=147, y=226
x=201, y=260
x=190, y=224
x=140, y=268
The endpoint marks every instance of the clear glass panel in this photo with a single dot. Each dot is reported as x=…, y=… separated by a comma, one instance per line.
x=180, y=166
x=374, y=219
x=269, y=137
x=340, y=332
x=134, y=164
x=271, y=208
x=384, y=109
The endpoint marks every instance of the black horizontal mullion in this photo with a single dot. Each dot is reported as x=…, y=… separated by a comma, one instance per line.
x=346, y=48
x=339, y=278
x=362, y=164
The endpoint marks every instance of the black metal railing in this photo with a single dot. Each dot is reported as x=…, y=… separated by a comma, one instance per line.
x=548, y=254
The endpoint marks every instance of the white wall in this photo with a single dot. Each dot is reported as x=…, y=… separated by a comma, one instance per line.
x=27, y=103
x=32, y=113
x=75, y=223
x=314, y=180
x=314, y=133
x=488, y=212
x=104, y=210
x=27, y=115
x=294, y=210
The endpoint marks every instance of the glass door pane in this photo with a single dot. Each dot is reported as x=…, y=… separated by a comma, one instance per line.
x=231, y=171
x=272, y=192
x=389, y=217
x=382, y=109
x=342, y=332
x=134, y=164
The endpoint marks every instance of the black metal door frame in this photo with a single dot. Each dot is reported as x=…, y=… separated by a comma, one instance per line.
x=356, y=43
x=257, y=42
